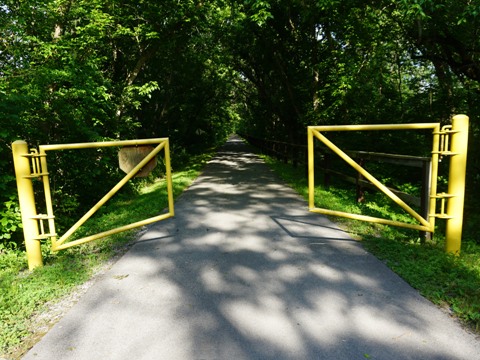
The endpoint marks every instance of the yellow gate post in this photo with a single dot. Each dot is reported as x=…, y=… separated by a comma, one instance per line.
x=456, y=183
x=23, y=173
x=311, y=170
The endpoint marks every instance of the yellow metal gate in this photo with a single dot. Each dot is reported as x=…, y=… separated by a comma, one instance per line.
x=32, y=163
x=449, y=140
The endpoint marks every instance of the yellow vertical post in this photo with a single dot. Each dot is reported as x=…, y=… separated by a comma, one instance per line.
x=26, y=199
x=456, y=183
x=168, y=173
x=311, y=177
x=434, y=176
x=48, y=195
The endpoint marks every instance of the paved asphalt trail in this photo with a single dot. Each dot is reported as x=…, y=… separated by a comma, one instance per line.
x=244, y=271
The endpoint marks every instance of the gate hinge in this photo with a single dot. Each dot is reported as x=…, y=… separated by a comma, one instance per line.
x=444, y=148
x=443, y=200
x=36, y=167
x=41, y=228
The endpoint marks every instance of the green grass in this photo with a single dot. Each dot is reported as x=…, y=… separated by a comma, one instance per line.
x=452, y=282
x=24, y=294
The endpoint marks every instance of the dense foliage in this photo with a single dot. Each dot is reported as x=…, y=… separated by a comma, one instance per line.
x=78, y=71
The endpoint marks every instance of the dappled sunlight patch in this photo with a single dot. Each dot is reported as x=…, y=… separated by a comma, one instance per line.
x=254, y=244
x=214, y=281
x=266, y=320
x=223, y=162
x=326, y=319
x=364, y=281
x=326, y=273
x=290, y=273
x=292, y=248
x=365, y=318
x=246, y=274
x=278, y=254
